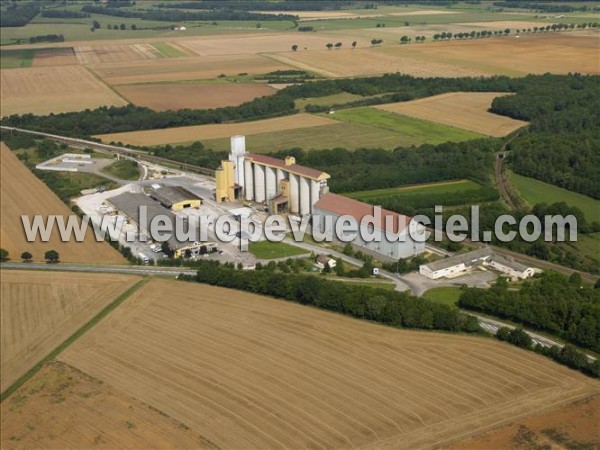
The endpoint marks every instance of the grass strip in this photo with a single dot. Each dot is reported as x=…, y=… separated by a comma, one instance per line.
x=80, y=332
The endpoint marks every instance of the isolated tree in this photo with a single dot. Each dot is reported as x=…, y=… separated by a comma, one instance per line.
x=507, y=31
x=96, y=24
x=51, y=256
x=436, y=36
x=338, y=45
x=294, y=47
x=26, y=256
x=109, y=27
x=404, y=39
x=258, y=25
x=3, y=255
x=329, y=46
x=123, y=26
x=133, y=26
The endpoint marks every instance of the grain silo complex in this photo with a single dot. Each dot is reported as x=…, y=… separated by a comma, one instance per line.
x=282, y=185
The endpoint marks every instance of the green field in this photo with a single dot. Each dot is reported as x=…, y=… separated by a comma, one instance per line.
x=442, y=187
x=124, y=169
x=274, y=250
x=588, y=245
x=343, y=135
x=446, y=295
x=327, y=100
x=14, y=59
x=79, y=29
x=168, y=51
x=416, y=131
x=534, y=191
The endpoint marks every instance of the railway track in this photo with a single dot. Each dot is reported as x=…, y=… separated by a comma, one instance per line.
x=124, y=151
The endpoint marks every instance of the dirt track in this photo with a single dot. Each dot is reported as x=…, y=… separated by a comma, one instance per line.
x=248, y=371
x=39, y=310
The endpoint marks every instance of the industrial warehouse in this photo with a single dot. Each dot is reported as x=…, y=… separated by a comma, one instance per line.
x=458, y=265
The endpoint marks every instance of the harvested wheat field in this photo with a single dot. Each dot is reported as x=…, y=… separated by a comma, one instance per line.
x=162, y=97
x=189, y=68
x=466, y=110
x=60, y=407
x=215, y=131
x=44, y=90
x=24, y=194
x=246, y=371
x=574, y=426
x=60, y=56
x=371, y=61
x=253, y=44
x=558, y=53
x=94, y=54
x=42, y=309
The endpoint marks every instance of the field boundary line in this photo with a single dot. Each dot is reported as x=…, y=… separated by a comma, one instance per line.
x=67, y=342
x=97, y=77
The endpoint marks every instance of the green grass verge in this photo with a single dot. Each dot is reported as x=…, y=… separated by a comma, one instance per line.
x=123, y=169
x=372, y=284
x=442, y=187
x=80, y=332
x=274, y=250
x=168, y=51
x=416, y=131
x=446, y=295
x=534, y=191
x=15, y=59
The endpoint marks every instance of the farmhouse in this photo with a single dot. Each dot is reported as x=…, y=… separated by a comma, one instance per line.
x=392, y=239
x=458, y=265
x=325, y=261
x=280, y=184
x=176, y=198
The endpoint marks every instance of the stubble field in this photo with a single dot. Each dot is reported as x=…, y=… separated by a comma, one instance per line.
x=189, y=68
x=39, y=310
x=24, y=194
x=60, y=407
x=466, y=110
x=540, y=53
x=248, y=371
x=42, y=90
x=162, y=97
x=216, y=131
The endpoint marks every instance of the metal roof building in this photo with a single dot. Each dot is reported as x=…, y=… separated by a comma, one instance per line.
x=176, y=198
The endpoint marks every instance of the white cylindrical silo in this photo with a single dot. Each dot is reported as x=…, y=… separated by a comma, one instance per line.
x=314, y=193
x=304, y=195
x=294, y=194
x=248, y=181
x=271, y=180
x=259, y=183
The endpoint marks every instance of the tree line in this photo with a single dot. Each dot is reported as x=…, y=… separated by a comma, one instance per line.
x=567, y=355
x=381, y=305
x=177, y=15
x=64, y=14
x=552, y=302
x=546, y=7
x=561, y=144
x=130, y=117
x=18, y=15
x=296, y=5
x=47, y=38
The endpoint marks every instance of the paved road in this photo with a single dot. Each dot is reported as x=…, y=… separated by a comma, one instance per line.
x=131, y=270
